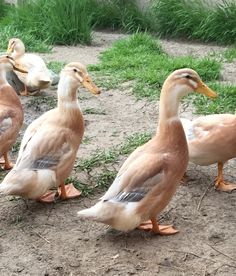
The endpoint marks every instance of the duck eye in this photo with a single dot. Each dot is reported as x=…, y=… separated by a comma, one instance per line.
x=75, y=70
x=188, y=77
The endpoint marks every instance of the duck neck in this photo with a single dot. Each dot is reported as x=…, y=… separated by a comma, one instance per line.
x=67, y=94
x=18, y=53
x=169, y=104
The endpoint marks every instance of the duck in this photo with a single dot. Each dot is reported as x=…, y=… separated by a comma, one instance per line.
x=212, y=140
x=50, y=143
x=11, y=111
x=38, y=76
x=149, y=177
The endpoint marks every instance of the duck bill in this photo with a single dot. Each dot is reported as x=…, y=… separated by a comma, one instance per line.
x=88, y=83
x=205, y=90
x=9, y=50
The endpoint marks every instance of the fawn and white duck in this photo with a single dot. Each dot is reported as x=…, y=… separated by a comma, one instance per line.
x=11, y=112
x=150, y=176
x=50, y=143
x=212, y=139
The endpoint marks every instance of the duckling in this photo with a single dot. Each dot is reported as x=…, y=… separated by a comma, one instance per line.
x=11, y=112
x=38, y=76
x=212, y=139
x=50, y=143
x=150, y=176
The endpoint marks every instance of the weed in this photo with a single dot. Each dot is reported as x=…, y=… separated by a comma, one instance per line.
x=91, y=110
x=105, y=179
x=230, y=54
x=86, y=140
x=16, y=147
x=83, y=187
x=107, y=157
x=56, y=66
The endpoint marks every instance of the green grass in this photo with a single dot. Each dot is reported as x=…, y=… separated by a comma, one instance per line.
x=224, y=103
x=230, y=54
x=140, y=58
x=100, y=159
x=2, y=8
x=195, y=19
x=56, y=66
x=41, y=24
x=91, y=110
x=111, y=156
x=100, y=182
x=120, y=14
x=83, y=187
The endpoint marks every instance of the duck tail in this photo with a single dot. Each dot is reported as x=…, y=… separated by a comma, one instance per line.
x=98, y=212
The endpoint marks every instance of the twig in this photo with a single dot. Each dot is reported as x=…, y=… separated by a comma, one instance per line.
x=42, y=237
x=203, y=195
x=227, y=256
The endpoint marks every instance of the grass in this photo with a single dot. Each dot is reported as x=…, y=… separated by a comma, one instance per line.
x=224, y=103
x=120, y=14
x=230, y=54
x=140, y=58
x=2, y=8
x=195, y=19
x=111, y=156
x=102, y=180
x=41, y=24
x=91, y=110
x=56, y=66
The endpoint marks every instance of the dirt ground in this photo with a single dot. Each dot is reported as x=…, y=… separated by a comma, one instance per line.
x=39, y=239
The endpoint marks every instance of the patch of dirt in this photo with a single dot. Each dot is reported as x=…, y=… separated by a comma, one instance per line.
x=38, y=239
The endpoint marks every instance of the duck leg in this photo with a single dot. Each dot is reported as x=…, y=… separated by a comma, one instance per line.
x=220, y=184
x=7, y=164
x=25, y=92
x=64, y=192
x=68, y=191
x=152, y=225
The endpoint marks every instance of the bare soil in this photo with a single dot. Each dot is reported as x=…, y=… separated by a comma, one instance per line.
x=39, y=239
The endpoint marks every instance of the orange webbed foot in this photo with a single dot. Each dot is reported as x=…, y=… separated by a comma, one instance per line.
x=223, y=186
x=66, y=192
x=8, y=166
x=153, y=226
x=49, y=197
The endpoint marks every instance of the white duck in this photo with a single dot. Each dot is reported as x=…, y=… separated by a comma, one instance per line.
x=38, y=76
